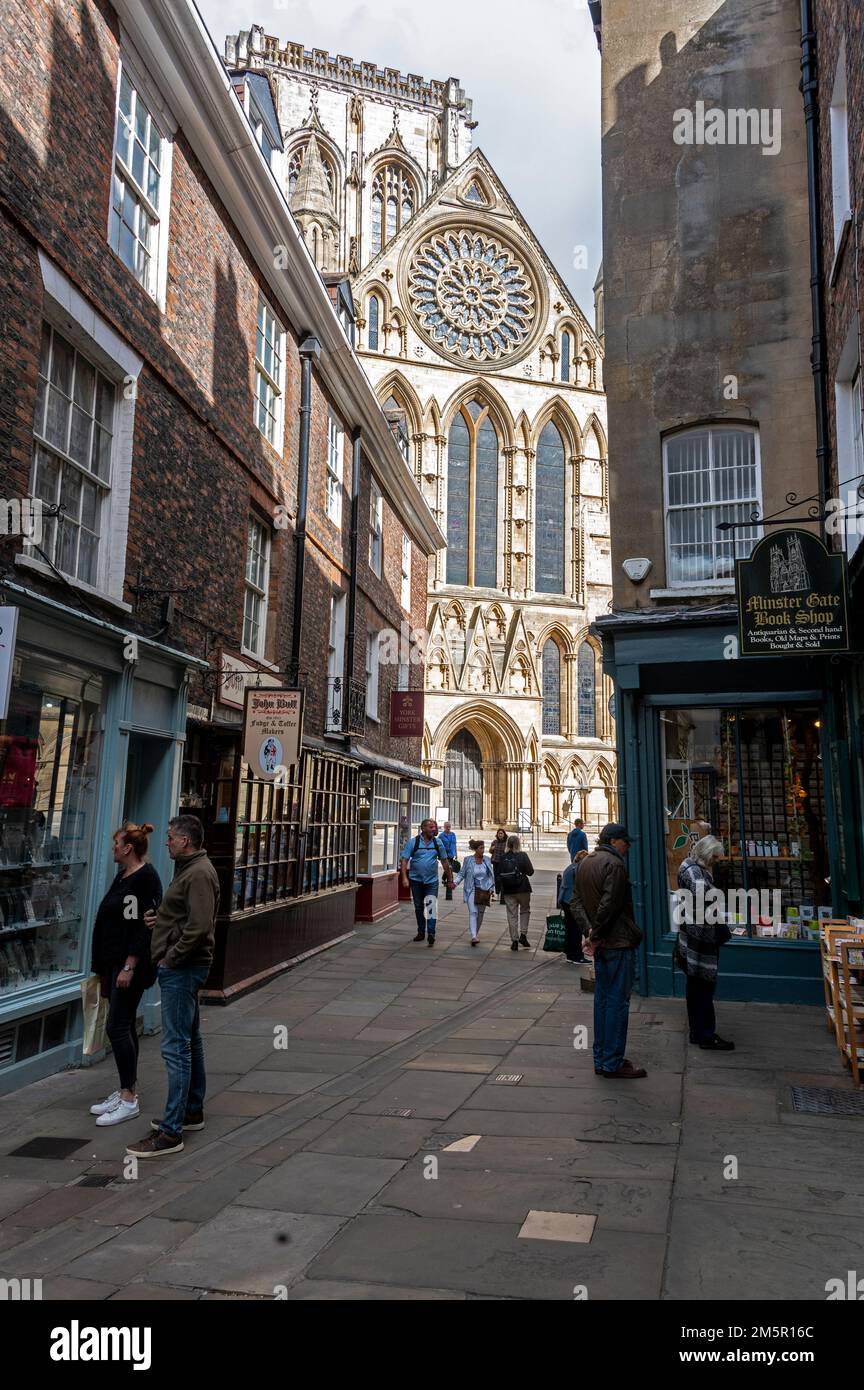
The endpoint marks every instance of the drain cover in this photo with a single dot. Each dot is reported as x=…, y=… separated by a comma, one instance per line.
x=94, y=1180
x=403, y=1114
x=48, y=1146
x=510, y=1078
x=821, y=1100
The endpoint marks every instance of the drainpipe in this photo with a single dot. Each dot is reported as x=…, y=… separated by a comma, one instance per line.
x=356, y=455
x=809, y=88
x=310, y=351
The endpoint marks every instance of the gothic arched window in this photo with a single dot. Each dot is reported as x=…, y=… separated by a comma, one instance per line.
x=374, y=317
x=565, y=356
x=551, y=505
x=472, y=499
x=397, y=420
x=551, y=688
x=393, y=204
x=586, y=678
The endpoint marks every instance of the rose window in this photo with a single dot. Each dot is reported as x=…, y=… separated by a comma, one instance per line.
x=471, y=296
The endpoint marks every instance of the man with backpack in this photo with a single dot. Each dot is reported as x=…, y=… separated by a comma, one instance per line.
x=514, y=871
x=419, y=865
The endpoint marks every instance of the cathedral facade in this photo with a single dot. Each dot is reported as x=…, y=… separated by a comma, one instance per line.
x=491, y=376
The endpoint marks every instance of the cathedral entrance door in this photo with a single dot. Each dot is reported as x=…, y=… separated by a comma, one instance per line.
x=463, y=781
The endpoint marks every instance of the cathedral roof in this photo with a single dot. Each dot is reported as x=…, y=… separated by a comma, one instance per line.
x=312, y=192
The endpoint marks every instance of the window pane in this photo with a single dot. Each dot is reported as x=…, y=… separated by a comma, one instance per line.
x=551, y=688
x=88, y=551
x=551, y=502
x=486, y=507
x=70, y=493
x=457, y=503
x=85, y=380
x=61, y=364
x=79, y=436
x=688, y=468
x=586, y=680
x=57, y=419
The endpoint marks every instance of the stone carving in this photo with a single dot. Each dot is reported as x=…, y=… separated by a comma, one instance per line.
x=471, y=296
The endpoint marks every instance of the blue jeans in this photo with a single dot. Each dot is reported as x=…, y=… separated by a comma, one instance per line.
x=420, y=892
x=182, y=1048
x=614, y=972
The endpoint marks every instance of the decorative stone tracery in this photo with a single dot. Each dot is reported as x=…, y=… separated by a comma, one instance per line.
x=471, y=296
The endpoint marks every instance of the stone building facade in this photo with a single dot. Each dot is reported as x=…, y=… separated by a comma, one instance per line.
x=492, y=379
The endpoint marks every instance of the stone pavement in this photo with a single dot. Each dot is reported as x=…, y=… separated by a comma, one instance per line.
x=332, y=1168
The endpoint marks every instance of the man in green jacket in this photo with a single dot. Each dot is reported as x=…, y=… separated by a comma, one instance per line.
x=603, y=907
x=181, y=947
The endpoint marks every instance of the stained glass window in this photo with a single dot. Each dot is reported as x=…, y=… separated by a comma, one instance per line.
x=551, y=688
x=585, y=674
x=549, y=530
x=374, y=312
x=392, y=186
x=458, y=471
x=472, y=499
x=565, y=356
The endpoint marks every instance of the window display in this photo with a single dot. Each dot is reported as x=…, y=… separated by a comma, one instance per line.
x=754, y=778
x=49, y=753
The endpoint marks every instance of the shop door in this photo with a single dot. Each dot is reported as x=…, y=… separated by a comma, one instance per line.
x=463, y=781
x=147, y=794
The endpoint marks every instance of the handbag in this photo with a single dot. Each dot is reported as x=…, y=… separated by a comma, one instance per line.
x=456, y=865
x=94, y=1009
x=554, y=932
x=482, y=897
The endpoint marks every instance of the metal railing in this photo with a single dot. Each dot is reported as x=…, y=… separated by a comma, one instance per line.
x=346, y=706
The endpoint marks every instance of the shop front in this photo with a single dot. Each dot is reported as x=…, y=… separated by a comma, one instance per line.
x=754, y=752
x=90, y=739
x=391, y=805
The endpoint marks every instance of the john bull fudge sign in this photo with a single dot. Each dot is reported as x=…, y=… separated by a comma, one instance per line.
x=791, y=597
x=273, y=730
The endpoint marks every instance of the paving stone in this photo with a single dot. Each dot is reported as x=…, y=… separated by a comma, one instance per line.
x=488, y=1258
x=243, y=1103
x=117, y=1260
x=140, y=1292
x=387, y=1035
x=327, y=1027
x=453, y=1061
x=637, y=1100
x=373, y=1136
x=431, y=1095
x=281, y=1082
x=18, y=1193
x=51, y=1251
x=558, y=1225
x=237, y=1055
x=342, y=1292
x=240, y=1250
x=573, y=1125
x=59, y=1205
x=330, y=1184
x=59, y=1289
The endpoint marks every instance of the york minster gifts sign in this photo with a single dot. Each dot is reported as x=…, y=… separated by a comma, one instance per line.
x=791, y=597
x=406, y=714
x=272, y=730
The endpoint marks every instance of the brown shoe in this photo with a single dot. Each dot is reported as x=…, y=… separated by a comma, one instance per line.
x=156, y=1146
x=626, y=1072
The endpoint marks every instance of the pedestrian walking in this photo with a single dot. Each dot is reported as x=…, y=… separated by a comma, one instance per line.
x=478, y=880
x=448, y=840
x=497, y=851
x=419, y=873
x=514, y=872
x=577, y=840
x=181, y=945
x=697, y=950
x=120, y=955
x=602, y=904
x=572, y=932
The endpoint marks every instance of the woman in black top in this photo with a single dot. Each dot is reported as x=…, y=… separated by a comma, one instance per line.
x=496, y=853
x=121, y=956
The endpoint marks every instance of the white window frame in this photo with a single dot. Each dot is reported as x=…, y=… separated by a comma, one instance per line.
x=157, y=279
x=372, y=667
x=335, y=469
x=336, y=661
x=260, y=591
x=718, y=426
x=274, y=405
x=405, y=593
x=376, y=528
x=66, y=310
x=849, y=403
x=840, y=191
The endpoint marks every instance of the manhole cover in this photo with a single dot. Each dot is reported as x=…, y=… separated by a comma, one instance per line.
x=821, y=1100
x=509, y=1078
x=94, y=1180
x=402, y=1114
x=48, y=1146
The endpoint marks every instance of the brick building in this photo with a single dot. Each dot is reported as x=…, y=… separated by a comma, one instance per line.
x=202, y=494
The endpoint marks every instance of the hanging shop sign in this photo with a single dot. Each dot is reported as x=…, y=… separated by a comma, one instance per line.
x=235, y=676
x=406, y=714
x=792, y=597
x=272, y=730
x=8, y=630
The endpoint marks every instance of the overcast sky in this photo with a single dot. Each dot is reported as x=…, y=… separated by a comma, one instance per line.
x=531, y=68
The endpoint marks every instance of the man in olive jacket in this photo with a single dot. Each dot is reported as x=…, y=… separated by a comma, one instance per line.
x=603, y=907
x=181, y=947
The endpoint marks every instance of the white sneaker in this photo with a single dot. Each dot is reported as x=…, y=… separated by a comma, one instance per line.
x=103, y=1106
x=123, y=1110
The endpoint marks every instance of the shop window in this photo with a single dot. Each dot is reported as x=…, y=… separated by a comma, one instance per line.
x=419, y=804
x=140, y=194
x=330, y=856
x=754, y=779
x=712, y=476
x=269, y=374
x=74, y=435
x=257, y=584
x=385, y=824
x=49, y=764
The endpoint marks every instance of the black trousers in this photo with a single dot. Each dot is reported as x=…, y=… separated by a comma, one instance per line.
x=700, y=1008
x=572, y=936
x=121, y=1029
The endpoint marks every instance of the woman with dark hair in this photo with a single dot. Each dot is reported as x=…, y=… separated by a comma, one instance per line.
x=477, y=876
x=497, y=850
x=121, y=956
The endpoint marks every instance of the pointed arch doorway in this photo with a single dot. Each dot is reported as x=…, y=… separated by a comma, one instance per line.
x=463, y=781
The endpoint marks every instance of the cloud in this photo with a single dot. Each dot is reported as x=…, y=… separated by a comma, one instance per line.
x=532, y=72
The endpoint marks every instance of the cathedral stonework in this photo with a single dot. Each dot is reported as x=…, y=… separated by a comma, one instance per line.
x=491, y=377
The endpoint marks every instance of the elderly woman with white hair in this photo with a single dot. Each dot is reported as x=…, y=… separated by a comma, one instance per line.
x=700, y=937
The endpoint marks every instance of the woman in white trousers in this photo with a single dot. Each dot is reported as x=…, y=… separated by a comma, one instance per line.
x=476, y=873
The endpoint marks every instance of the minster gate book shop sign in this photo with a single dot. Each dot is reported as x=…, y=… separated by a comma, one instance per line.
x=791, y=597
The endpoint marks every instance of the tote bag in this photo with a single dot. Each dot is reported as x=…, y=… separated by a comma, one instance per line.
x=95, y=1011
x=554, y=932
